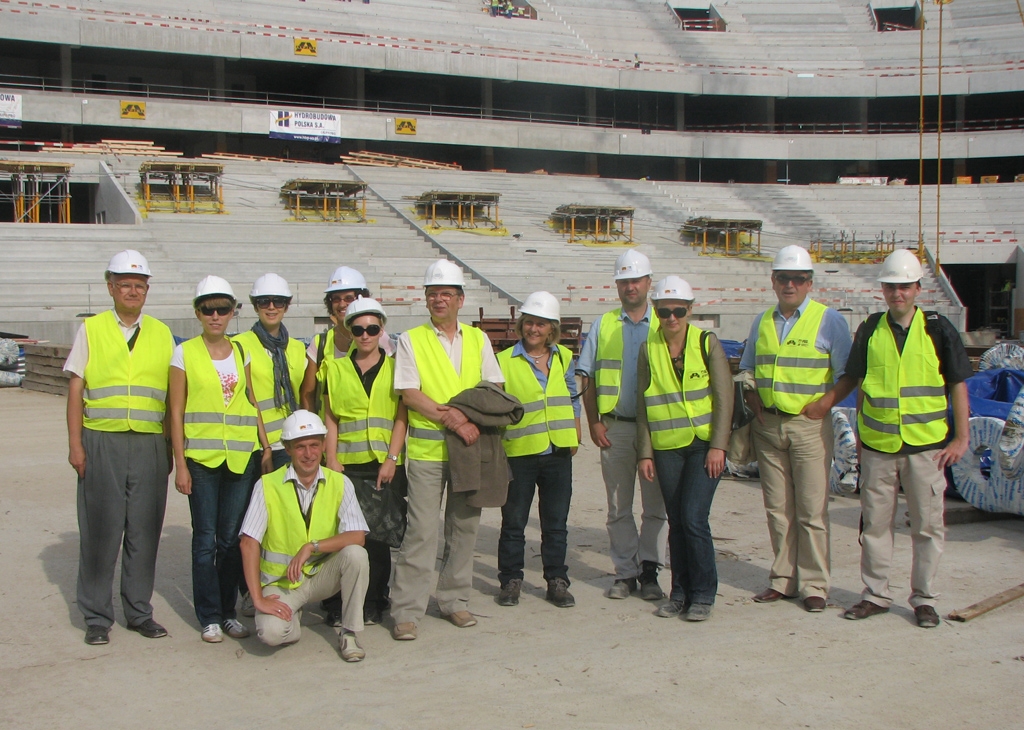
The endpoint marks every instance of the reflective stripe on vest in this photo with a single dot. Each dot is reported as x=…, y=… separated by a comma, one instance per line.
x=548, y=416
x=126, y=391
x=904, y=395
x=439, y=381
x=261, y=368
x=678, y=411
x=286, y=528
x=365, y=422
x=793, y=374
x=608, y=363
x=215, y=433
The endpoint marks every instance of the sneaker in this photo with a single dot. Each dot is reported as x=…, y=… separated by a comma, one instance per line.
x=248, y=609
x=670, y=609
x=460, y=619
x=558, y=593
x=350, y=649
x=333, y=618
x=927, y=618
x=404, y=632
x=649, y=588
x=96, y=635
x=372, y=615
x=622, y=588
x=509, y=594
x=212, y=634
x=698, y=612
x=235, y=628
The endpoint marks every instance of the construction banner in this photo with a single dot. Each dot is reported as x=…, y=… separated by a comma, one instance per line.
x=10, y=110
x=305, y=126
x=305, y=47
x=405, y=126
x=133, y=110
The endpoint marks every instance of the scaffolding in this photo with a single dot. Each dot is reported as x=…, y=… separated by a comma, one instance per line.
x=727, y=236
x=40, y=192
x=459, y=209
x=333, y=201
x=598, y=223
x=182, y=187
x=848, y=250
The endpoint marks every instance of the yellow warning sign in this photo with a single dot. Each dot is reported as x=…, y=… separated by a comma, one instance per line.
x=133, y=110
x=405, y=126
x=305, y=47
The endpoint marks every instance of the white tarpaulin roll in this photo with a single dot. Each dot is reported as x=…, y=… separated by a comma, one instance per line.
x=843, y=475
x=1006, y=355
x=1011, y=442
x=996, y=493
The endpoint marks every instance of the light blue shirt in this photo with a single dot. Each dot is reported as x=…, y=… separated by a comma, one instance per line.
x=570, y=379
x=833, y=337
x=634, y=334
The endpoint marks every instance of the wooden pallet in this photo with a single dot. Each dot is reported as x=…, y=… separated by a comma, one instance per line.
x=379, y=159
x=44, y=369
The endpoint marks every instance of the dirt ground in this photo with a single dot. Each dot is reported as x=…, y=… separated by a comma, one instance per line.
x=603, y=664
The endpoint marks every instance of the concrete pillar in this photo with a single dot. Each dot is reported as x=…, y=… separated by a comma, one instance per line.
x=222, y=141
x=360, y=88
x=590, y=164
x=680, y=112
x=487, y=158
x=681, y=169
x=769, y=113
x=65, y=68
x=959, y=167
x=218, y=78
x=862, y=115
x=771, y=172
x=961, y=106
x=487, y=102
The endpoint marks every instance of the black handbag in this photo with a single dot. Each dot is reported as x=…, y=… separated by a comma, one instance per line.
x=384, y=511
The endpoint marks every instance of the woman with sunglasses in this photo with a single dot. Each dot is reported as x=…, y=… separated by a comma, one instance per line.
x=541, y=374
x=366, y=427
x=684, y=382
x=217, y=435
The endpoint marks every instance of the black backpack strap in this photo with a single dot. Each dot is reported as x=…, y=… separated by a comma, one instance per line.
x=704, y=347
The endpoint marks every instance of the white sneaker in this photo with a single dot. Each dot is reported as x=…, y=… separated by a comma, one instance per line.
x=247, y=608
x=212, y=634
x=235, y=629
x=350, y=649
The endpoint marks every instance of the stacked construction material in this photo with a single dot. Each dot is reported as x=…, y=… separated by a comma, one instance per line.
x=379, y=159
x=119, y=147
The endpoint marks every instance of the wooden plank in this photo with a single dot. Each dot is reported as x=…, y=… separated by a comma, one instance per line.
x=989, y=604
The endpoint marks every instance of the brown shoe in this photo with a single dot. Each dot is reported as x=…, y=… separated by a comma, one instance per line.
x=814, y=604
x=404, y=631
x=769, y=595
x=462, y=619
x=927, y=618
x=864, y=609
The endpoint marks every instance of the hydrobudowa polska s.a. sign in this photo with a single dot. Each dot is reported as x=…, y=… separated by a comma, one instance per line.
x=305, y=126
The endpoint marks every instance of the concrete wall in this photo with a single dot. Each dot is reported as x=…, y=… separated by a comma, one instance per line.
x=113, y=202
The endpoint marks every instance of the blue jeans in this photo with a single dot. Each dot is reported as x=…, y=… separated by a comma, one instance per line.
x=688, y=492
x=218, y=502
x=551, y=474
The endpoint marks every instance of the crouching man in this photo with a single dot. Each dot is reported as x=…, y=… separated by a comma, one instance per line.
x=302, y=539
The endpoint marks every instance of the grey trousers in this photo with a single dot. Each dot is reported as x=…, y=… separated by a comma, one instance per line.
x=121, y=503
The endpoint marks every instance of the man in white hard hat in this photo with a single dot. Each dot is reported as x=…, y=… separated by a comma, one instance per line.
x=435, y=362
x=794, y=355
x=302, y=539
x=608, y=364
x=907, y=363
x=117, y=446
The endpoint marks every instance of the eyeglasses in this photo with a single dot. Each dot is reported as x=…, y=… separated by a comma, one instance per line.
x=372, y=330
x=277, y=302
x=445, y=296
x=128, y=286
x=343, y=298
x=222, y=311
x=799, y=279
x=678, y=312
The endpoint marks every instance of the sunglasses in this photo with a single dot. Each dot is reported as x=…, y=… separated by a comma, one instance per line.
x=222, y=311
x=372, y=330
x=343, y=298
x=266, y=302
x=799, y=280
x=678, y=312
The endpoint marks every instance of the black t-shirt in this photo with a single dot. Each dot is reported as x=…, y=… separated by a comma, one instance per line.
x=370, y=375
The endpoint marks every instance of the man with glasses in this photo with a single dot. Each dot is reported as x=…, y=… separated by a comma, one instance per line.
x=435, y=362
x=793, y=357
x=116, y=404
x=608, y=364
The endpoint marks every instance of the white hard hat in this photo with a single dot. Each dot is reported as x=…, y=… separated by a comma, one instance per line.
x=632, y=265
x=672, y=287
x=444, y=273
x=129, y=262
x=901, y=267
x=213, y=286
x=792, y=258
x=301, y=424
x=542, y=304
x=365, y=305
x=346, y=279
x=270, y=285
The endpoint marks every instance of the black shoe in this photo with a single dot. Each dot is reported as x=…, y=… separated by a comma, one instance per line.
x=149, y=628
x=649, y=588
x=372, y=615
x=333, y=618
x=509, y=595
x=558, y=593
x=96, y=635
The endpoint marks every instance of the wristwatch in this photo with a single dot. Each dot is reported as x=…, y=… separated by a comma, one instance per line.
x=393, y=457
x=316, y=546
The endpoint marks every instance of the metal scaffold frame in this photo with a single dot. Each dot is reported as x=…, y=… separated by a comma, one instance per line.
x=727, y=236
x=459, y=209
x=38, y=188
x=600, y=223
x=190, y=187
x=333, y=201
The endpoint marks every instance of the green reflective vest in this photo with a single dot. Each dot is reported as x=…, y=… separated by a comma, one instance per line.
x=286, y=527
x=548, y=416
x=365, y=422
x=792, y=374
x=261, y=368
x=904, y=395
x=440, y=382
x=327, y=338
x=608, y=363
x=126, y=391
x=678, y=411
x=215, y=433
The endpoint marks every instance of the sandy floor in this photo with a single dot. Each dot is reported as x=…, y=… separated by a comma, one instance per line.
x=602, y=664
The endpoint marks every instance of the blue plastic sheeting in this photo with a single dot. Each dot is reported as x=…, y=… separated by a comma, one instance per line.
x=992, y=392
x=732, y=348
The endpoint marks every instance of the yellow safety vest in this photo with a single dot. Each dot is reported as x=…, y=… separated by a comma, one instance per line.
x=548, y=416
x=286, y=527
x=439, y=381
x=126, y=391
x=608, y=363
x=676, y=412
x=215, y=433
x=261, y=368
x=792, y=374
x=365, y=422
x=904, y=395
x=321, y=371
